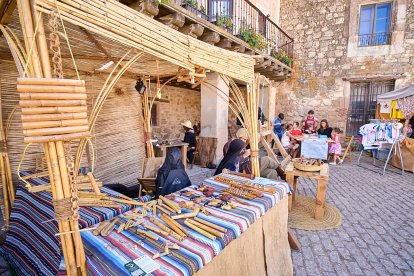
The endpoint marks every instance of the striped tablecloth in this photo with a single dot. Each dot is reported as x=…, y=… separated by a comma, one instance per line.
x=31, y=247
x=108, y=255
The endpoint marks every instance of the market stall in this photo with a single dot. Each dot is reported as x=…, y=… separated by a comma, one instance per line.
x=258, y=227
x=399, y=105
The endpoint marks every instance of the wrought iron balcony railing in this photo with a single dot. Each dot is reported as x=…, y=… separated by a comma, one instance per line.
x=374, y=39
x=244, y=20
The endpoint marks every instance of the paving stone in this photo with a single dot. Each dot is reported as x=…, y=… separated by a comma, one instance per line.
x=376, y=235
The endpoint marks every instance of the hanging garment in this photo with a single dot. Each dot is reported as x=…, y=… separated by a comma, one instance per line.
x=406, y=106
x=395, y=112
x=385, y=107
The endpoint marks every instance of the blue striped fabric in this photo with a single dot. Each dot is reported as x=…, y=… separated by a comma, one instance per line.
x=31, y=247
x=108, y=255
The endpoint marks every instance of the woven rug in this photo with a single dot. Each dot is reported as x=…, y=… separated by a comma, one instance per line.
x=302, y=215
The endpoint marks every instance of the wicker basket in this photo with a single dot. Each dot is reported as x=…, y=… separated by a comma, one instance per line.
x=306, y=168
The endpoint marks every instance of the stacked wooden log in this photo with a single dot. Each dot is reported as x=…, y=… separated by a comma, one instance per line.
x=53, y=109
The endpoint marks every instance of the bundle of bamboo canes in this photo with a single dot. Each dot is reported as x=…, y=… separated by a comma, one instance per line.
x=53, y=109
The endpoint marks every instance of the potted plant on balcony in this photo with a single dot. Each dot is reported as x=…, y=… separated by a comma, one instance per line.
x=254, y=39
x=225, y=22
x=283, y=57
x=192, y=6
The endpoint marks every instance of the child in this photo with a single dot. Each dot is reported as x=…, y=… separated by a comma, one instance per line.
x=407, y=130
x=335, y=147
x=286, y=137
x=310, y=130
x=294, y=144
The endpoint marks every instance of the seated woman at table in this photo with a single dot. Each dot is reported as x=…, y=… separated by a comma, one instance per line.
x=324, y=129
x=190, y=139
x=171, y=177
x=237, y=159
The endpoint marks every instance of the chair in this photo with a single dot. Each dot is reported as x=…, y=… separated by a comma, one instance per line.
x=195, y=153
x=150, y=168
x=348, y=149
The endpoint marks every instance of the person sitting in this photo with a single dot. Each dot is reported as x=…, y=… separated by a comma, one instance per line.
x=241, y=134
x=190, y=139
x=171, y=177
x=237, y=158
x=310, y=131
x=324, y=129
x=295, y=133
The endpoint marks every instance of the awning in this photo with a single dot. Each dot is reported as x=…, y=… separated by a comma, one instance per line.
x=398, y=94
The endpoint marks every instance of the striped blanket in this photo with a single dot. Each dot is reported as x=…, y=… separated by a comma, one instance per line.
x=108, y=255
x=31, y=247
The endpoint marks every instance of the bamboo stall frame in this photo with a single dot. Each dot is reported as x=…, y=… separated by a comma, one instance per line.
x=35, y=57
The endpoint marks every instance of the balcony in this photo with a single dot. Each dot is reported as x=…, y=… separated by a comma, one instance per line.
x=235, y=25
x=245, y=21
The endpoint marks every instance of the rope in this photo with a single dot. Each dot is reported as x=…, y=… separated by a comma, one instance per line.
x=63, y=208
x=31, y=47
x=20, y=164
x=67, y=40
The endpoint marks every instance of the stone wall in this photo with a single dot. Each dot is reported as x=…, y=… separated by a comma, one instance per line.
x=184, y=105
x=327, y=57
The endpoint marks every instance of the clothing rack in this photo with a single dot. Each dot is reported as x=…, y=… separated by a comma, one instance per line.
x=395, y=145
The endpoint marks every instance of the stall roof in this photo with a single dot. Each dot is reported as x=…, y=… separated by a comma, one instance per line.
x=398, y=94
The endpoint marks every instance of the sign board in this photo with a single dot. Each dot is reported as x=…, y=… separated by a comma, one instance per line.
x=314, y=148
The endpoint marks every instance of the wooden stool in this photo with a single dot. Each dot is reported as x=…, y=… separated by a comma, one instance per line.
x=292, y=176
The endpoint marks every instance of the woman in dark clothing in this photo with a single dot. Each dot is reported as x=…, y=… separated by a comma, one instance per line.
x=232, y=157
x=171, y=177
x=325, y=129
x=190, y=139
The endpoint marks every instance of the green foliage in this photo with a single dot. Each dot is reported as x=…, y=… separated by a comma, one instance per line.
x=283, y=57
x=254, y=39
x=191, y=3
x=159, y=2
x=203, y=9
x=224, y=21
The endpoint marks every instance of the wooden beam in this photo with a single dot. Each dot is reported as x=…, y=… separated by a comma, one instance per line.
x=97, y=44
x=194, y=30
x=6, y=10
x=174, y=20
x=238, y=48
x=210, y=37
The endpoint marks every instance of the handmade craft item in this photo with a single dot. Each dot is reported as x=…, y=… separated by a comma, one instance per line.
x=240, y=192
x=53, y=109
x=146, y=234
x=171, y=204
x=188, y=223
x=167, y=248
x=166, y=229
x=154, y=229
x=187, y=215
x=93, y=183
x=207, y=228
x=181, y=230
x=108, y=229
x=212, y=225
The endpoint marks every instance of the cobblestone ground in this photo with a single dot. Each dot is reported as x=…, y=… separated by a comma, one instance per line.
x=377, y=233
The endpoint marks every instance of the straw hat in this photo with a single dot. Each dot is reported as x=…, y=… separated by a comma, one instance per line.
x=242, y=133
x=187, y=124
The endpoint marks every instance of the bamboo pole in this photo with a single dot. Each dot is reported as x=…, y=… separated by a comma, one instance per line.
x=53, y=109
x=57, y=166
x=54, y=117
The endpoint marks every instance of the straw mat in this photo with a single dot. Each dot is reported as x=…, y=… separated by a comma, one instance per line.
x=302, y=215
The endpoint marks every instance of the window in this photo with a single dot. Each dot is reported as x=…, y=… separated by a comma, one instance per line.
x=219, y=8
x=374, y=25
x=154, y=115
x=363, y=103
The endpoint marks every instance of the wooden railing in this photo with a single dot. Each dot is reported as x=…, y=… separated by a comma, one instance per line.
x=244, y=20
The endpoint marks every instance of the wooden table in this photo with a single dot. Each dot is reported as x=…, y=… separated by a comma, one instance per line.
x=322, y=176
x=181, y=145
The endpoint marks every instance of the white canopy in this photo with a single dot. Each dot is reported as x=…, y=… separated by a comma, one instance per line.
x=398, y=94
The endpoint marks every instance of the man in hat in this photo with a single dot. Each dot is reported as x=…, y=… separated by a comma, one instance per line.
x=190, y=139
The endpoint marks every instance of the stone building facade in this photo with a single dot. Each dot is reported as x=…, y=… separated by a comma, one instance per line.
x=329, y=62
